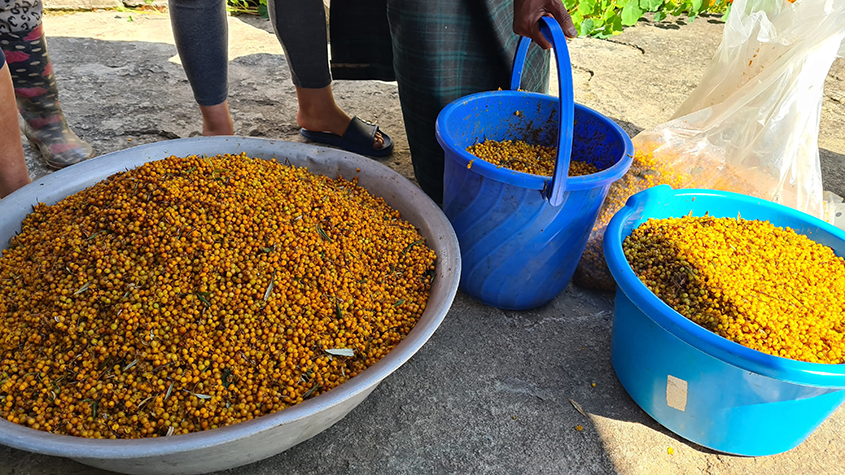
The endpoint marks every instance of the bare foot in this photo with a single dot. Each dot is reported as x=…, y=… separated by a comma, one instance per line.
x=216, y=120
x=318, y=112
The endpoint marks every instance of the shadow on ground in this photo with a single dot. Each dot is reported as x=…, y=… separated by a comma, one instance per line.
x=833, y=171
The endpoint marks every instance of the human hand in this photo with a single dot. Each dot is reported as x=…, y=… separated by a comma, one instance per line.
x=526, y=19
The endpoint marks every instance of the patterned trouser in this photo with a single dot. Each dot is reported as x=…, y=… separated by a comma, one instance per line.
x=20, y=15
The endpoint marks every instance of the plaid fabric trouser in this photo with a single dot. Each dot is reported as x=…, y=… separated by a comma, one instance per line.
x=442, y=50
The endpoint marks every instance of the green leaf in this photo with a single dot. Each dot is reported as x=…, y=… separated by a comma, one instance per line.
x=130, y=365
x=577, y=18
x=651, y=5
x=617, y=26
x=310, y=392
x=660, y=15
x=83, y=288
x=586, y=7
x=631, y=14
x=409, y=246
x=587, y=26
x=198, y=396
x=262, y=11
x=323, y=234
x=204, y=298
x=680, y=8
x=94, y=405
x=570, y=5
x=270, y=287
x=96, y=234
x=697, y=7
x=398, y=302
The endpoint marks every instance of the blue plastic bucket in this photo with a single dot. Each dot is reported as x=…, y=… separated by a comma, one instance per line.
x=522, y=235
x=703, y=387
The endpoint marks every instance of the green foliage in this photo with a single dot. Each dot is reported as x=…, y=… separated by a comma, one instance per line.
x=598, y=18
x=605, y=18
x=250, y=7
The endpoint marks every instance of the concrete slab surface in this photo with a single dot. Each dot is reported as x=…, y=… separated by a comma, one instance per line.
x=490, y=391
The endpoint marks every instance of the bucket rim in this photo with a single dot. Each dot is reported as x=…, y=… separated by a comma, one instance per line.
x=522, y=179
x=776, y=367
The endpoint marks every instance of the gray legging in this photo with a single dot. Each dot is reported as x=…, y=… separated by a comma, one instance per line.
x=199, y=28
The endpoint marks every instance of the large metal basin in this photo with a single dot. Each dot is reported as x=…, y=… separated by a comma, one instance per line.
x=268, y=435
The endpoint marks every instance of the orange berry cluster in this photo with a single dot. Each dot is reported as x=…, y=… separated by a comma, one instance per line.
x=523, y=157
x=765, y=287
x=647, y=170
x=193, y=293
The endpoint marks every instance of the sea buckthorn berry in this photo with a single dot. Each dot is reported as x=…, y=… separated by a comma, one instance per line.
x=652, y=165
x=523, y=157
x=193, y=293
x=767, y=288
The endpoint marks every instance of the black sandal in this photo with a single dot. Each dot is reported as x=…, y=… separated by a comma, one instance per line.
x=358, y=138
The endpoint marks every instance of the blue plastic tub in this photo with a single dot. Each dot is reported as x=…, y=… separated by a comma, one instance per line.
x=522, y=235
x=703, y=387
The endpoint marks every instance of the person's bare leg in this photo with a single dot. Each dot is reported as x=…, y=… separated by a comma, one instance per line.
x=216, y=120
x=13, y=174
x=318, y=112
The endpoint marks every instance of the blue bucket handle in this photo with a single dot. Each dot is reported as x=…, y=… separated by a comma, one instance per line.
x=566, y=114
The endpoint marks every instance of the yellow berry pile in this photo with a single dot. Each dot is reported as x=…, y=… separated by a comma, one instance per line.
x=765, y=287
x=523, y=157
x=647, y=170
x=193, y=293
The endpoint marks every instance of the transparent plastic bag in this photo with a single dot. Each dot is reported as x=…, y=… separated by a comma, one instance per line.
x=752, y=124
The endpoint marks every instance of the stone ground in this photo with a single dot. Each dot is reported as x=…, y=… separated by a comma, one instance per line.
x=489, y=393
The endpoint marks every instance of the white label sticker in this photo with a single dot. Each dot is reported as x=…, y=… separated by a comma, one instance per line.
x=676, y=393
